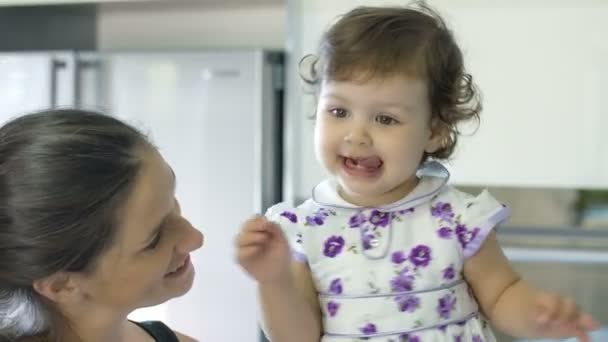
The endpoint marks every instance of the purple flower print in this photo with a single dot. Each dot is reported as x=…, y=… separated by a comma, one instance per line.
x=398, y=257
x=333, y=246
x=402, y=282
x=356, y=220
x=407, y=303
x=336, y=286
x=445, y=306
x=290, y=216
x=420, y=256
x=472, y=234
x=458, y=338
x=408, y=338
x=445, y=232
x=369, y=329
x=323, y=212
x=379, y=218
x=449, y=273
x=317, y=218
x=332, y=308
x=465, y=235
x=443, y=211
x=460, y=229
x=477, y=338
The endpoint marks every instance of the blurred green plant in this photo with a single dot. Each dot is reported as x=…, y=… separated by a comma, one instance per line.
x=589, y=198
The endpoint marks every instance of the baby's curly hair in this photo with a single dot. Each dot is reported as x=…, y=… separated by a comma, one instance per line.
x=370, y=42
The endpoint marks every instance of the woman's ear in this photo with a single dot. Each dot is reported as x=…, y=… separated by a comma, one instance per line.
x=59, y=287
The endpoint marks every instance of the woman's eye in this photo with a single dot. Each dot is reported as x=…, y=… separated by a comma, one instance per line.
x=338, y=112
x=156, y=240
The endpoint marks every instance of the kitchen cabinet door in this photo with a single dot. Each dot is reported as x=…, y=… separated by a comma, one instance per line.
x=542, y=68
x=542, y=72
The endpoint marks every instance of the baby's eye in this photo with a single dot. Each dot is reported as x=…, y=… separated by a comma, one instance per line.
x=386, y=120
x=338, y=112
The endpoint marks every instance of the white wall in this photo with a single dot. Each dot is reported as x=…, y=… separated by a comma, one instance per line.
x=203, y=24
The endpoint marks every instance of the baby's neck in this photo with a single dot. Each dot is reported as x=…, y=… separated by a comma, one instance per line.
x=391, y=196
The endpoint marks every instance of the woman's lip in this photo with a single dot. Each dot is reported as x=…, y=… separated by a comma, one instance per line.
x=181, y=265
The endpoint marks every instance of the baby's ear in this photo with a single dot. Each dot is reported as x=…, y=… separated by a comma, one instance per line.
x=440, y=134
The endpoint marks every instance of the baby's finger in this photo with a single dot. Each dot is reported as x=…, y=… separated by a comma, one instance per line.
x=254, y=223
x=273, y=228
x=249, y=252
x=584, y=325
x=587, y=323
x=569, y=311
x=252, y=238
x=582, y=336
x=548, y=308
x=264, y=225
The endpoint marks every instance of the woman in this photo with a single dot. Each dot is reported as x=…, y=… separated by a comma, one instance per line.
x=90, y=230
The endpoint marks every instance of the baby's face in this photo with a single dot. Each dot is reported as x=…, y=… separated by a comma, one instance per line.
x=371, y=136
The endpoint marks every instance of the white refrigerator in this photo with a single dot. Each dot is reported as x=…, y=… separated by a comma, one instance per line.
x=216, y=117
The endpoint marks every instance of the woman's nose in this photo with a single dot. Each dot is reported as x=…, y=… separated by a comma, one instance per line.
x=191, y=240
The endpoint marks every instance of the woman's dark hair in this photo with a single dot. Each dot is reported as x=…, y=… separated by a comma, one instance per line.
x=370, y=42
x=64, y=175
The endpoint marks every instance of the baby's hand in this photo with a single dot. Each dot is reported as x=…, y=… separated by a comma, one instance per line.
x=559, y=317
x=262, y=250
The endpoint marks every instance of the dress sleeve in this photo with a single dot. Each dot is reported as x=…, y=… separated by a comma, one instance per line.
x=290, y=222
x=479, y=215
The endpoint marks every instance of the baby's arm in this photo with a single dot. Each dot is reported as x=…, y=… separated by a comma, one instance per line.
x=291, y=308
x=286, y=291
x=514, y=306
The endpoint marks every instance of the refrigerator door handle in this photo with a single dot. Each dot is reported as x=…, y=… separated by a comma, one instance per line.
x=56, y=66
x=82, y=65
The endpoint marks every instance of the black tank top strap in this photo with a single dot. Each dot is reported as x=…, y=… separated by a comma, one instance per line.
x=158, y=330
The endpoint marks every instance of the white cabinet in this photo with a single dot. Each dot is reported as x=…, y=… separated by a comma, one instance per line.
x=543, y=71
x=56, y=2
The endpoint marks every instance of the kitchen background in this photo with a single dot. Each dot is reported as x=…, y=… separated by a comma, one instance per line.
x=541, y=148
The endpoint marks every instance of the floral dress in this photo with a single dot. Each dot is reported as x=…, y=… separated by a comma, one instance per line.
x=394, y=273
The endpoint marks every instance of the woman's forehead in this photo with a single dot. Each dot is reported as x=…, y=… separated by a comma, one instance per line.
x=150, y=199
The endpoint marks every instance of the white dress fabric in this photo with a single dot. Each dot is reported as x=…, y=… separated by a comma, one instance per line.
x=394, y=273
